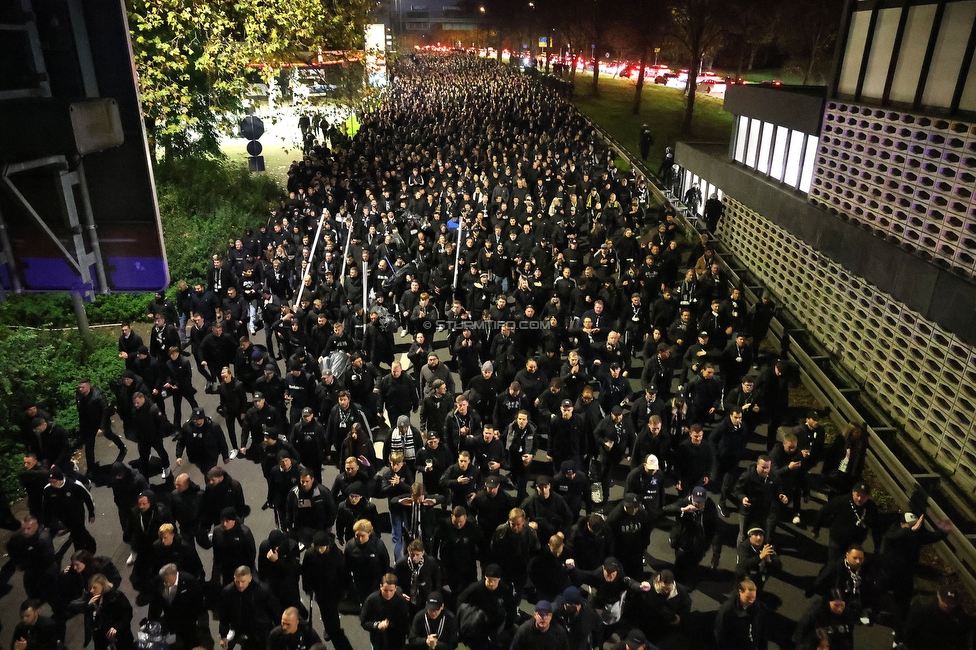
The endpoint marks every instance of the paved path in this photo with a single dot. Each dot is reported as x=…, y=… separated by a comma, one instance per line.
x=802, y=556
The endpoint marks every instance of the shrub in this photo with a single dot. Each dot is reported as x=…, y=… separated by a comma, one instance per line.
x=203, y=203
x=44, y=367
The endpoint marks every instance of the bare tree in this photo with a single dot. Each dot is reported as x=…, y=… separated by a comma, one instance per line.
x=698, y=25
x=811, y=33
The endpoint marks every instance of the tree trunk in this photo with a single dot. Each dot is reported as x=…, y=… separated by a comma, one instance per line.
x=639, y=92
x=596, y=76
x=572, y=69
x=752, y=56
x=692, y=89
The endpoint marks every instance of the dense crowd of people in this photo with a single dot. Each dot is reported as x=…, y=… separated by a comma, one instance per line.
x=588, y=349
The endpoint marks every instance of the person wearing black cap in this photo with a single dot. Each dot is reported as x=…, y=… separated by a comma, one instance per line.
x=272, y=386
x=64, y=504
x=386, y=615
x=939, y=623
x=614, y=386
x=299, y=388
x=634, y=641
x=850, y=517
x=615, y=438
x=491, y=505
x=695, y=529
x=258, y=418
x=631, y=525
x=496, y=600
x=326, y=579
x=541, y=632
x=578, y=617
x=203, y=440
x=741, y=620
x=756, y=559
x=609, y=586
x=826, y=618
x=308, y=438
x=434, y=628
x=567, y=436
x=547, y=512
x=648, y=404
x=279, y=567
x=233, y=547
x=573, y=487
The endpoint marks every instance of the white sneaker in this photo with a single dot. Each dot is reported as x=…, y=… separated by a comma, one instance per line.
x=403, y=333
x=796, y=520
x=131, y=559
x=233, y=454
x=165, y=472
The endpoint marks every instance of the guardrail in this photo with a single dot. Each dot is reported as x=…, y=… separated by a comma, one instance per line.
x=958, y=549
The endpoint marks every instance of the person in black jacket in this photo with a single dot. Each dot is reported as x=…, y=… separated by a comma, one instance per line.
x=64, y=505
x=850, y=517
x=741, y=621
x=94, y=417
x=366, y=558
x=50, y=444
x=222, y=491
x=176, y=380
x=826, y=618
x=386, y=615
x=143, y=531
x=756, y=559
x=150, y=426
x=203, y=440
x=326, y=579
x=31, y=550
x=695, y=529
x=248, y=611
x=759, y=495
x=293, y=633
x=233, y=405
x=434, y=628
x=233, y=547
x=35, y=632
x=279, y=567
x=177, y=603
x=108, y=619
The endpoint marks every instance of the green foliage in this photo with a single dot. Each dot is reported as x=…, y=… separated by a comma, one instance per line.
x=203, y=202
x=119, y=307
x=193, y=57
x=44, y=367
x=55, y=309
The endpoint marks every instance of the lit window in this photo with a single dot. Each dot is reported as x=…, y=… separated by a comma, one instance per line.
x=765, y=144
x=793, y=160
x=740, y=139
x=753, y=145
x=809, y=163
x=779, y=153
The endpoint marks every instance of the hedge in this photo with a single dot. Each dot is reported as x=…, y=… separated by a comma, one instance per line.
x=45, y=367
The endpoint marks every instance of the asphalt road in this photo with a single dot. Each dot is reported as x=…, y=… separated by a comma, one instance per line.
x=802, y=556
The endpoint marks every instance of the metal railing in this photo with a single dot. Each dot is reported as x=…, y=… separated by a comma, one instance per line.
x=957, y=550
